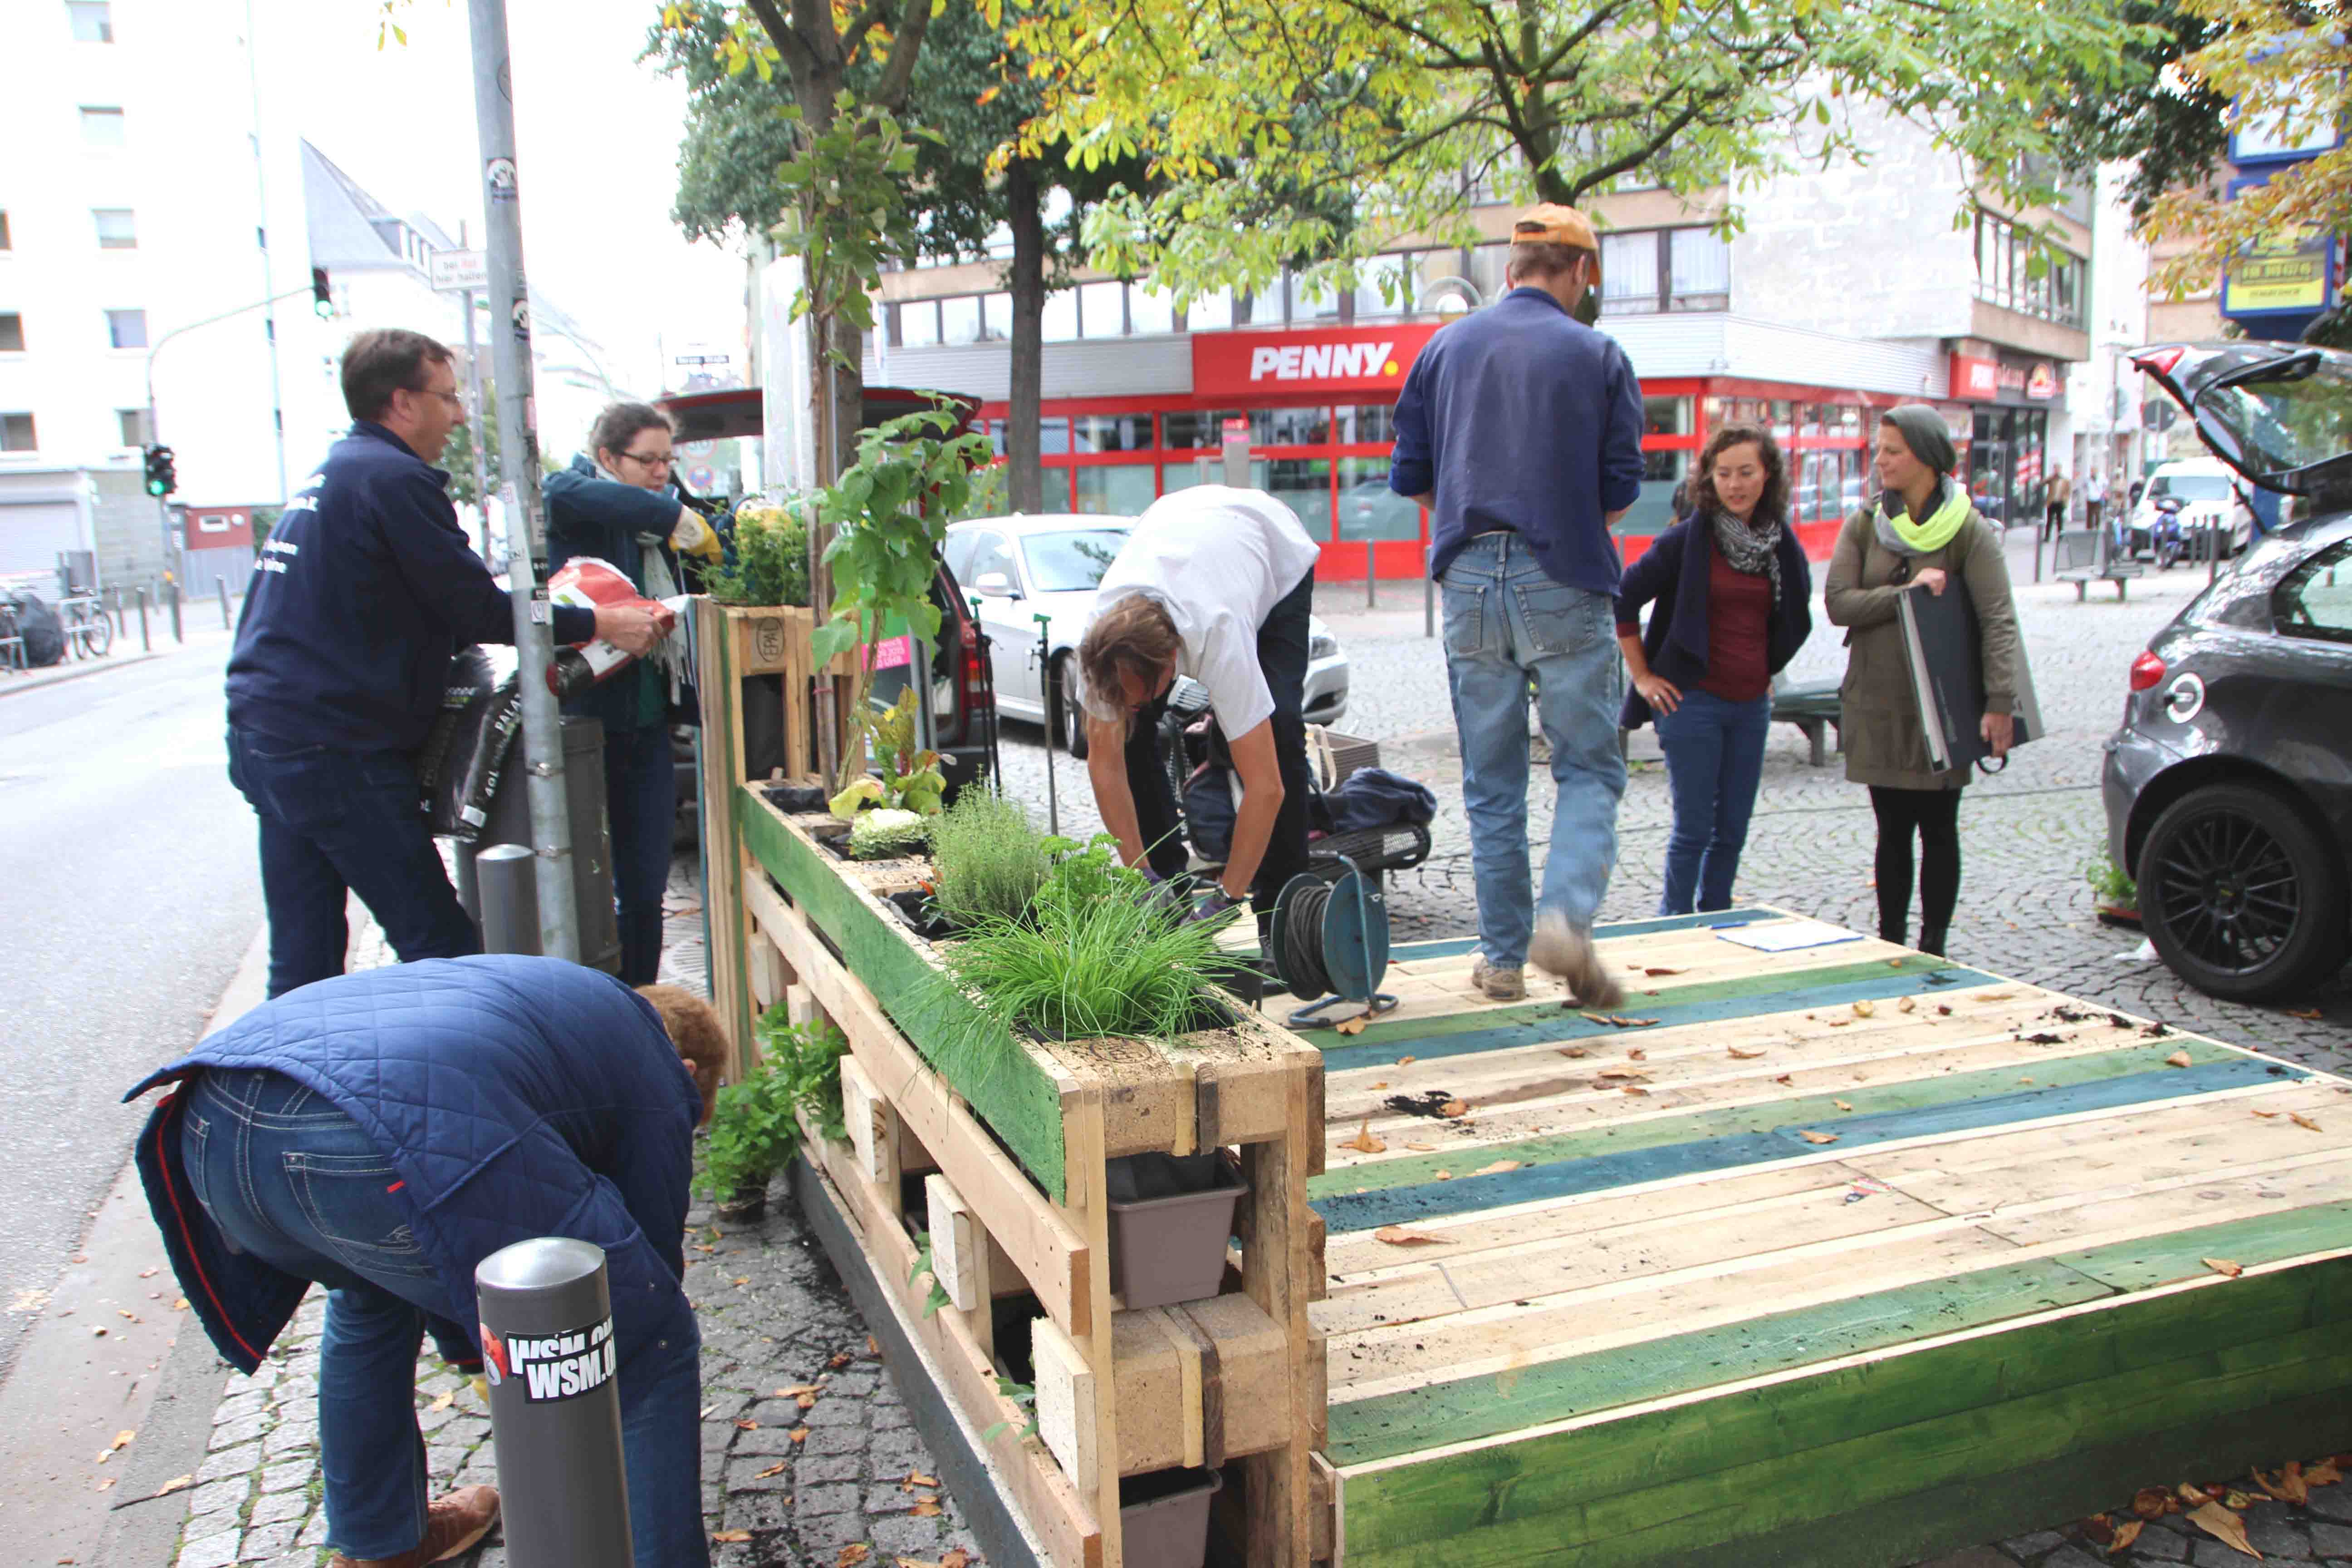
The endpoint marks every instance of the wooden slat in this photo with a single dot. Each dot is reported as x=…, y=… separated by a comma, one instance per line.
x=1049, y=1253
x=1089, y=1210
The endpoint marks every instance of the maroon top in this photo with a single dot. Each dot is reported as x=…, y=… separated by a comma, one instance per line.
x=1738, y=624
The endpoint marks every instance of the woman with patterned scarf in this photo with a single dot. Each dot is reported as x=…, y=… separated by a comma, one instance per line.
x=1732, y=598
x=1919, y=533
x=614, y=503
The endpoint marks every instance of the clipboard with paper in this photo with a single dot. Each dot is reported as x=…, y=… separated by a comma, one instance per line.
x=1944, y=649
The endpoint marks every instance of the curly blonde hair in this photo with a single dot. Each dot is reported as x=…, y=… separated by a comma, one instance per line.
x=1134, y=637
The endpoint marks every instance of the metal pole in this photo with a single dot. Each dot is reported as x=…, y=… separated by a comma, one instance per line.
x=114, y=604
x=1428, y=583
x=1069, y=717
x=555, y=1403
x=505, y=882
x=1372, y=575
x=222, y=584
x=551, y=821
x=172, y=585
x=146, y=643
x=473, y=419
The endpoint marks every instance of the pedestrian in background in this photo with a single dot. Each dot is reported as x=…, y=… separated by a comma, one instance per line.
x=381, y=1134
x=1521, y=428
x=366, y=587
x=614, y=503
x=2094, y=496
x=1733, y=603
x=2061, y=490
x=1916, y=536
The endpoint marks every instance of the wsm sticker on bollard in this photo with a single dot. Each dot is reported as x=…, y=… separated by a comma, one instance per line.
x=552, y=1366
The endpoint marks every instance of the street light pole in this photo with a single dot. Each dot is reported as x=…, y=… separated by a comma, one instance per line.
x=542, y=726
x=475, y=417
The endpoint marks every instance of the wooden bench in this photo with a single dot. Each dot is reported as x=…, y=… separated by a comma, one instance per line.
x=2082, y=559
x=1816, y=710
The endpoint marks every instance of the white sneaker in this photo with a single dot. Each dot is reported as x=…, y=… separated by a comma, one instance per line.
x=1566, y=951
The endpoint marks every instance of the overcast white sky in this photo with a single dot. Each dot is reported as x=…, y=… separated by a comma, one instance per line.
x=596, y=140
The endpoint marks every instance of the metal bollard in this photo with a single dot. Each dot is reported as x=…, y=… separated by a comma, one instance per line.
x=507, y=876
x=222, y=584
x=146, y=643
x=555, y=1403
x=114, y=607
x=1371, y=575
x=173, y=586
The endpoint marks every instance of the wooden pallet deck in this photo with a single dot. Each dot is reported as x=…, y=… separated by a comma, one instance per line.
x=1848, y=1254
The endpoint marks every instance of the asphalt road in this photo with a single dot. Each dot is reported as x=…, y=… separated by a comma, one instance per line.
x=130, y=893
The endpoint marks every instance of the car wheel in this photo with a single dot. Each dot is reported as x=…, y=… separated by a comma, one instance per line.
x=2242, y=897
x=1065, y=722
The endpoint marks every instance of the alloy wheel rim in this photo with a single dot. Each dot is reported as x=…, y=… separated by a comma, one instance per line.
x=2229, y=893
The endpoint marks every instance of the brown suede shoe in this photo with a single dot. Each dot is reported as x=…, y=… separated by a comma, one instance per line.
x=454, y=1525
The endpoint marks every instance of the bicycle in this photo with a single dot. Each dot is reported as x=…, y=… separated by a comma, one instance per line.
x=87, y=626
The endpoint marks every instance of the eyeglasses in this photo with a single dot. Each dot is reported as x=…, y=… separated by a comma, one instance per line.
x=451, y=398
x=650, y=460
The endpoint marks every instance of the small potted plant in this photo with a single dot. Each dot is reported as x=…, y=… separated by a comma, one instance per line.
x=755, y=1129
x=2116, y=894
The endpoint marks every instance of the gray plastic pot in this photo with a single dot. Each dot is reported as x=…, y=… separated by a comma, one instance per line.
x=1163, y=1518
x=1171, y=1247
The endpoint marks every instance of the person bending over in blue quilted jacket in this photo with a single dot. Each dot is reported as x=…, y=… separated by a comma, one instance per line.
x=380, y=1134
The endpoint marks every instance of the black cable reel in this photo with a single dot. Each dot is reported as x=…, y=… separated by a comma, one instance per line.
x=1329, y=944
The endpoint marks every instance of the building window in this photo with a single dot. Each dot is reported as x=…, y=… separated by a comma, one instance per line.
x=1112, y=433
x=116, y=229
x=133, y=425
x=1698, y=270
x=12, y=332
x=2010, y=274
x=918, y=323
x=1211, y=311
x=1060, y=324
x=1148, y=311
x=93, y=21
x=17, y=433
x=1194, y=429
x=127, y=329
x=101, y=127
x=1102, y=310
x=1649, y=270
x=1628, y=271
x=960, y=319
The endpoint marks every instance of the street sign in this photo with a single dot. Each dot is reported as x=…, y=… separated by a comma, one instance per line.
x=455, y=271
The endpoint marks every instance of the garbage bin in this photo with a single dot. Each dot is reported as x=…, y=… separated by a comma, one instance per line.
x=509, y=822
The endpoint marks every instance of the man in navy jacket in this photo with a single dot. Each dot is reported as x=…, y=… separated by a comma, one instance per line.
x=364, y=590
x=1521, y=428
x=381, y=1134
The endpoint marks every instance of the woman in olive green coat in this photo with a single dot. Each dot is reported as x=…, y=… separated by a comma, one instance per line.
x=1919, y=533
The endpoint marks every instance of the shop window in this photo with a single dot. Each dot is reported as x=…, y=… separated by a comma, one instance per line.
x=1188, y=428
x=1148, y=311
x=1204, y=469
x=996, y=318
x=1112, y=432
x=1061, y=318
x=960, y=319
x=1102, y=310
x=1368, y=508
x=994, y=430
x=1289, y=426
x=1119, y=490
x=1366, y=422
x=918, y=323
x=1665, y=415
x=1304, y=485
x=1054, y=438
x=1654, y=511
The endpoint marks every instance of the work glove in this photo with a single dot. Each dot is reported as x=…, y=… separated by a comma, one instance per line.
x=1213, y=907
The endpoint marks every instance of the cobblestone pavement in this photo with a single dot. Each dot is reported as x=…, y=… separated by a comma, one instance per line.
x=774, y=1316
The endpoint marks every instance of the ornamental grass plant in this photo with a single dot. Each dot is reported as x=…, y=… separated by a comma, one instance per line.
x=988, y=860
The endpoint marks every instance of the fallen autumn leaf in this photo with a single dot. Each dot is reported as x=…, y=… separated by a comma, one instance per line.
x=1810, y=1136
x=1363, y=1142
x=1397, y=1236
x=1498, y=1168
x=2224, y=1266
x=2177, y=1059
x=1739, y=1055
x=2223, y=1526
x=731, y=1535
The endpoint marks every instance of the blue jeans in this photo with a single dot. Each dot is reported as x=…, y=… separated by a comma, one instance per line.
x=1714, y=760
x=337, y=823
x=641, y=804
x=293, y=1181
x=1507, y=625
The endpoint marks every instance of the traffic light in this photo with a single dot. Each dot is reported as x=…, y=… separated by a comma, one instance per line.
x=322, y=298
x=162, y=478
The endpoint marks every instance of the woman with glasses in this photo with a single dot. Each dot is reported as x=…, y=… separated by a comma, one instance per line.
x=614, y=503
x=1919, y=534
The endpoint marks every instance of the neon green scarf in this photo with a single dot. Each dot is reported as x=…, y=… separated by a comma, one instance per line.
x=1899, y=533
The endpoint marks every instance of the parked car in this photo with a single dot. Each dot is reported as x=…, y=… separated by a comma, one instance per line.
x=1021, y=568
x=2229, y=786
x=2209, y=504
x=963, y=713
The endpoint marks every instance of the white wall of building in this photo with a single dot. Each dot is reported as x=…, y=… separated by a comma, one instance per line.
x=2119, y=265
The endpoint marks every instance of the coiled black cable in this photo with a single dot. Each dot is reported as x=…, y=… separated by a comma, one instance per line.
x=1302, y=942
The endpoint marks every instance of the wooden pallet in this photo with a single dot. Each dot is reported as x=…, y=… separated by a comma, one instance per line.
x=1842, y=1256
x=1013, y=1199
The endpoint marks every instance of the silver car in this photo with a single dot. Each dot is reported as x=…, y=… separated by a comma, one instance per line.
x=1028, y=569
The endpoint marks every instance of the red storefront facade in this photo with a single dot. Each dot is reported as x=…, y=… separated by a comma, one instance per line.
x=1320, y=406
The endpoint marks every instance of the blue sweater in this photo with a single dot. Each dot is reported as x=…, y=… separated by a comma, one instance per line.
x=1520, y=416
x=364, y=590
x=588, y=514
x=516, y=1096
x=1674, y=572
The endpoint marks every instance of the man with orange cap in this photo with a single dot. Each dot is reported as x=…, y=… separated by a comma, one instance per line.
x=1520, y=428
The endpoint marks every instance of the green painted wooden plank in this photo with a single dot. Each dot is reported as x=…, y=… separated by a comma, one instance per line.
x=1016, y=1097
x=1778, y=1115
x=1518, y=1502
x=1467, y=1409
x=1753, y=997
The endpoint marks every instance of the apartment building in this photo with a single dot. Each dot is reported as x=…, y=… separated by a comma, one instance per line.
x=1847, y=290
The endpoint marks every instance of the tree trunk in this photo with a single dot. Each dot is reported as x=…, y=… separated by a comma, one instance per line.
x=1025, y=215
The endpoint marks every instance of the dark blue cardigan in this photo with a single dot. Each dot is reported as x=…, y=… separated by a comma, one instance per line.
x=1675, y=642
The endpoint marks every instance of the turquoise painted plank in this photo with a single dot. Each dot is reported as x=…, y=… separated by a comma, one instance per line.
x=1961, y=1106
x=1560, y=1026
x=1456, y=947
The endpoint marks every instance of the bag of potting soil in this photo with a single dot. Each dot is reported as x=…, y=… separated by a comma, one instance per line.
x=44, y=634
x=459, y=764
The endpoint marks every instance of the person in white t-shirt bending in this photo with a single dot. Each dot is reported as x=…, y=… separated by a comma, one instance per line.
x=1215, y=583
